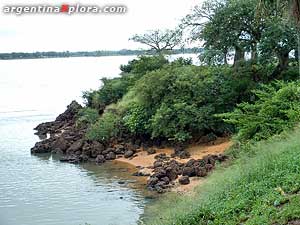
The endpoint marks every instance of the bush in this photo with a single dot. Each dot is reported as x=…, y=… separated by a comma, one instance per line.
x=277, y=109
x=87, y=116
x=144, y=64
x=105, y=128
x=178, y=102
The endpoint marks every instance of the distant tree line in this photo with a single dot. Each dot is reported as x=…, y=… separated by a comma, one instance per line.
x=53, y=54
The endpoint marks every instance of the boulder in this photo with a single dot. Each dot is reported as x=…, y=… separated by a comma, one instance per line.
x=184, y=180
x=151, y=151
x=128, y=154
x=110, y=156
x=188, y=171
x=100, y=159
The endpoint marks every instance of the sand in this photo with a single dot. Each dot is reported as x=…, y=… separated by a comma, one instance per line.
x=197, y=152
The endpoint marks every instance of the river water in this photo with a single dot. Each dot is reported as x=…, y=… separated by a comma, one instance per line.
x=40, y=190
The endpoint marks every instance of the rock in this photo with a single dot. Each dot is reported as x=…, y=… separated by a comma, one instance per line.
x=209, y=167
x=119, y=149
x=110, y=156
x=61, y=144
x=159, y=172
x=96, y=149
x=161, y=156
x=100, y=159
x=71, y=111
x=83, y=158
x=108, y=150
x=171, y=173
x=151, y=151
x=166, y=180
x=181, y=152
x=157, y=163
x=208, y=138
x=76, y=146
x=152, y=181
x=128, y=154
x=188, y=171
x=200, y=171
x=42, y=147
x=184, y=180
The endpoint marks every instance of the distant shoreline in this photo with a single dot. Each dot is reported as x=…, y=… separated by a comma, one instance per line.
x=67, y=54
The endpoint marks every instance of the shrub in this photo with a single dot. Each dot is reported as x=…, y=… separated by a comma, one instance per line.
x=178, y=102
x=277, y=109
x=105, y=128
x=144, y=64
x=87, y=116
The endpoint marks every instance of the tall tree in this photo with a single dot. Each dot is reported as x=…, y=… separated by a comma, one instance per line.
x=292, y=8
x=160, y=40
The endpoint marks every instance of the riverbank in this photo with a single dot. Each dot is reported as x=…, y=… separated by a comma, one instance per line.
x=163, y=167
x=144, y=161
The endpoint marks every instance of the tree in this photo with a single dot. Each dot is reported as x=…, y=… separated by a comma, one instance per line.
x=226, y=26
x=292, y=7
x=159, y=40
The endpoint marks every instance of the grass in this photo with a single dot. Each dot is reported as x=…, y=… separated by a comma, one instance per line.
x=262, y=186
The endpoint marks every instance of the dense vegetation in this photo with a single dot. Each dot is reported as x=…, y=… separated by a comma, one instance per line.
x=256, y=98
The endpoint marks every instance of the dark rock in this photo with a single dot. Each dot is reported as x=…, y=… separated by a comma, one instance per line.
x=188, y=171
x=159, y=172
x=200, y=171
x=71, y=111
x=171, y=173
x=152, y=181
x=119, y=149
x=151, y=151
x=128, y=154
x=162, y=156
x=209, y=167
x=76, y=146
x=61, y=144
x=100, y=159
x=184, y=180
x=157, y=163
x=208, y=138
x=108, y=150
x=110, y=156
x=166, y=180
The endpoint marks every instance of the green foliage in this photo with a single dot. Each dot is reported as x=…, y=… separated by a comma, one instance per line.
x=87, y=116
x=144, y=64
x=178, y=102
x=277, y=109
x=261, y=188
x=136, y=118
x=106, y=127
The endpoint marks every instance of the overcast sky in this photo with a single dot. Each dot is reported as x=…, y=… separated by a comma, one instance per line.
x=28, y=33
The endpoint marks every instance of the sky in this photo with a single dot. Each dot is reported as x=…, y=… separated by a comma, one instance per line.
x=30, y=33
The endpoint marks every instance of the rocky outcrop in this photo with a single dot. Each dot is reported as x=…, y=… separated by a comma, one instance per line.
x=166, y=171
x=68, y=140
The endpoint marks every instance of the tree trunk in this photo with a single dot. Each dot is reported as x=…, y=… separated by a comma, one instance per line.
x=282, y=65
x=239, y=55
x=254, y=53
